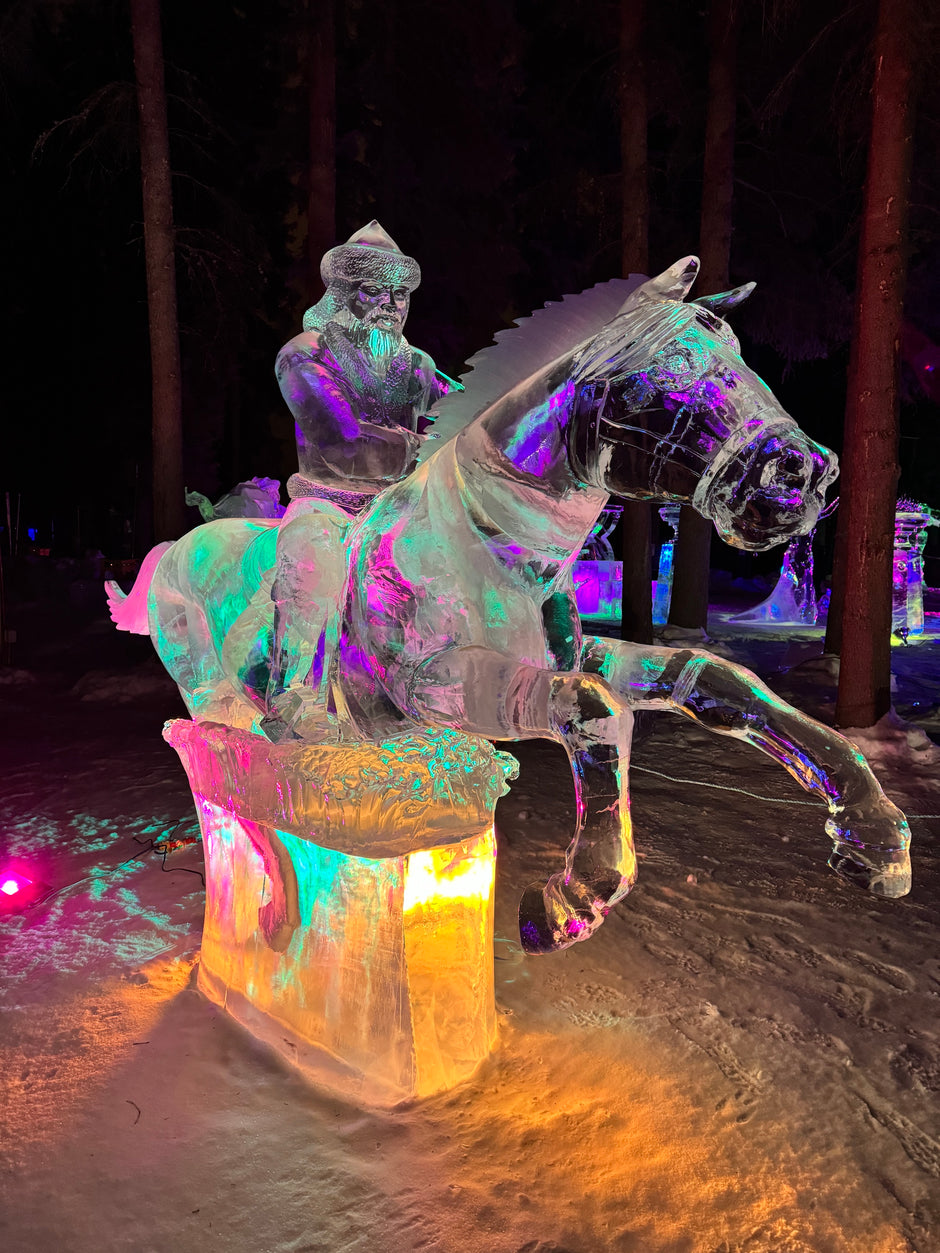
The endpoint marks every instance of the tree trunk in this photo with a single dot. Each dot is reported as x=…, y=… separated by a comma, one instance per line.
x=870, y=457
x=636, y=621
x=321, y=98
x=169, y=519
x=689, y=606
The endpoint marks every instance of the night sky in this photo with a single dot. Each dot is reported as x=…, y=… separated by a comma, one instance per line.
x=485, y=138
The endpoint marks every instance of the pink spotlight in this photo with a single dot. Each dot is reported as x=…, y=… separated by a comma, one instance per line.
x=18, y=891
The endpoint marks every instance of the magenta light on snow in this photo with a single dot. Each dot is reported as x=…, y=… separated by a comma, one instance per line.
x=18, y=891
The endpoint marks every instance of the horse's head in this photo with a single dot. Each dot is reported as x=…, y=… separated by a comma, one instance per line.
x=667, y=409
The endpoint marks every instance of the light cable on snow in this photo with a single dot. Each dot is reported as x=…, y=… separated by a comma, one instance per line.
x=724, y=787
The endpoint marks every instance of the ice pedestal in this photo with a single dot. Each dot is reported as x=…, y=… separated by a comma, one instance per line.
x=349, y=902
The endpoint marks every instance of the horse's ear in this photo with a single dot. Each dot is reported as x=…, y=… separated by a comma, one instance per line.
x=672, y=284
x=725, y=300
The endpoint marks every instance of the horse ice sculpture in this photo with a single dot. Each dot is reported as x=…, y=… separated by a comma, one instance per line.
x=458, y=610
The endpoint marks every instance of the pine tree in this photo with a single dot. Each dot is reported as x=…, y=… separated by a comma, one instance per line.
x=160, y=253
x=860, y=615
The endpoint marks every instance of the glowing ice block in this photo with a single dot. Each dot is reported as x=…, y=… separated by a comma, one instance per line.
x=349, y=902
x=662, y=587
x=598, y=589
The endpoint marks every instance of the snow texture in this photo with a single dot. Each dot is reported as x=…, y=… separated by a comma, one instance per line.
x=745, y=1058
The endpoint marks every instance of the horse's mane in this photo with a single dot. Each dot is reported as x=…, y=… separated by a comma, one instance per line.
x=524, y=348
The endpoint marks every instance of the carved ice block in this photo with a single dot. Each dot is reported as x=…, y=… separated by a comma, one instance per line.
x=349, y=901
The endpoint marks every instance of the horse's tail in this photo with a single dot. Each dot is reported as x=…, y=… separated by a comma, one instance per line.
x=129, y=609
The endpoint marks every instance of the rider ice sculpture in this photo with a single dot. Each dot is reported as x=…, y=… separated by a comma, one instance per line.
x=357, y=391
x=457, y=612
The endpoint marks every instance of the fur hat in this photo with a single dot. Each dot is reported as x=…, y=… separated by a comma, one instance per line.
x=370, y=253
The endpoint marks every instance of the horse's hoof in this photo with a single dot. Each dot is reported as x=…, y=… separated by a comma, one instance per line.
x=889, y=877
x=535, y=930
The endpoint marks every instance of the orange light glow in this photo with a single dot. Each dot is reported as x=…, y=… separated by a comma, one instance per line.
x=449, y=874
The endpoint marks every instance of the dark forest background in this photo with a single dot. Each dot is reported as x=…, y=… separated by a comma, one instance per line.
x=485, y=138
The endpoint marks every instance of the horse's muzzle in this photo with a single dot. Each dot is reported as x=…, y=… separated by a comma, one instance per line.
x=772, y=491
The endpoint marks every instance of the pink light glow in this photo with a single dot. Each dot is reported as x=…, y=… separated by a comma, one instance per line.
x=12, y=886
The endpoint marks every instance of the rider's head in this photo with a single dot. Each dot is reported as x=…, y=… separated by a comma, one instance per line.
x=369, y=282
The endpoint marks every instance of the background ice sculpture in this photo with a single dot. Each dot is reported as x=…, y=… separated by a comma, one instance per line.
x=457, y=612
x=793, y=598
x=662, y=592
x=254, y=498
x=907, y=594
x=598, y=577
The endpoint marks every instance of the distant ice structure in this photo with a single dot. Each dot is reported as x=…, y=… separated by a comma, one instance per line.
x=793, y=599
x=598, y=577
x=662, y=592
x=911, y=521
x=441, y=604
x=253, y=498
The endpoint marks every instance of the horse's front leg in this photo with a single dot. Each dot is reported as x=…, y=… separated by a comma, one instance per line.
x=870, y=835
x=488, y=693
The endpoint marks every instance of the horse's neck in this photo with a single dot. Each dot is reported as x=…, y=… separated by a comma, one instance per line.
x=515, y=464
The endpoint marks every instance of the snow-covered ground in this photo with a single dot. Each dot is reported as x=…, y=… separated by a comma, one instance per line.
x=744, y=1059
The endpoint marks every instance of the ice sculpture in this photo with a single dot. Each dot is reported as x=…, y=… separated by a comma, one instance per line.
x=454, y=608
x=358, y=392
x=254, y=498
x=907, y=594
x=598, y=578
x=662, y=592
x=793, y=599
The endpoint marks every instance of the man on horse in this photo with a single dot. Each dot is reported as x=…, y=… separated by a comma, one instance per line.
x=358, y=391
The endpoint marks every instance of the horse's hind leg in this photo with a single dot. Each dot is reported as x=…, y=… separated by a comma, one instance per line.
x=870, y=835
x=197, y=591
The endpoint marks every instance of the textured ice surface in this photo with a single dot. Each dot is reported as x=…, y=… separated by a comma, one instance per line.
x=254, y=498
x=367, y=799
x=349, y=897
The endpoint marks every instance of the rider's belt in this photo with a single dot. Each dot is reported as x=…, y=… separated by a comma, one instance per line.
x=299, y=487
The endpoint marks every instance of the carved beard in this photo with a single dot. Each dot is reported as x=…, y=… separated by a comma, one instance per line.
x=383, y=347
x=377, y=348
